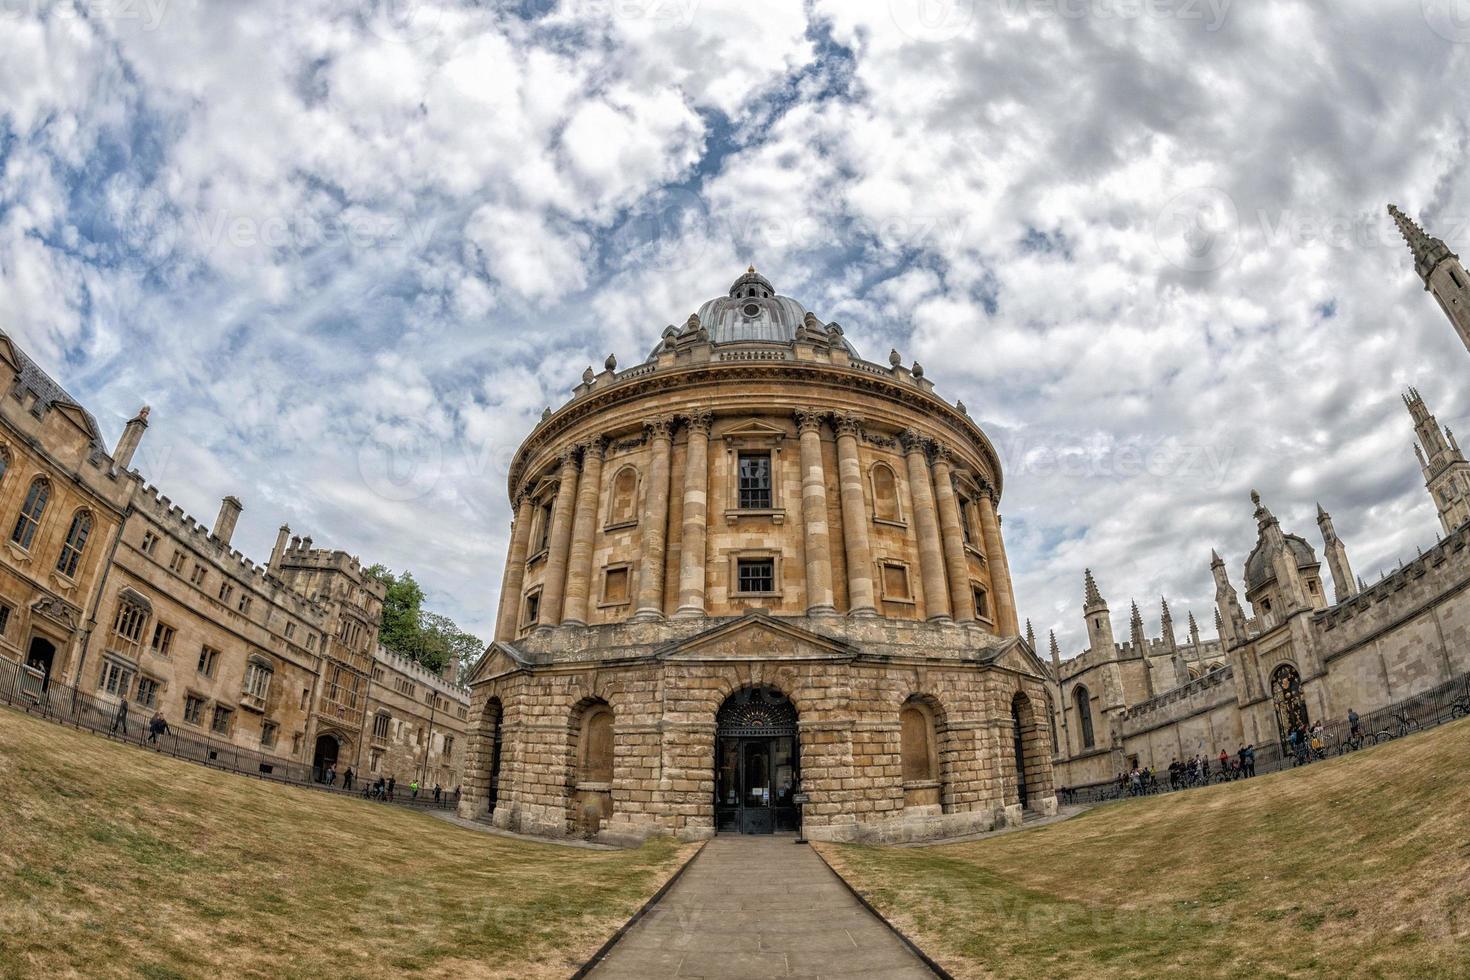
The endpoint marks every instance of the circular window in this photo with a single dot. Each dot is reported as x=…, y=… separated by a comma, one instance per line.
x=751, y=310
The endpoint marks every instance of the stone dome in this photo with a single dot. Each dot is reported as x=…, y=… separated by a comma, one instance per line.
x=752, y=313
x=1258, y=569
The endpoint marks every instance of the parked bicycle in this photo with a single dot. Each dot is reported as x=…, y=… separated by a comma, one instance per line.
x=1400, y=726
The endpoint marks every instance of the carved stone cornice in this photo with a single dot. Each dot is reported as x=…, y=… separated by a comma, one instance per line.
x=809, y=419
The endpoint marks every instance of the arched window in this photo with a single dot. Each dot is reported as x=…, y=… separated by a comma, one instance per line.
x=30, y=512
x=597, y=745
x=76, y=543
x=622, y=508
x=1084, y=715
x=1291, y=706
x=4, y=462
x=885, y=493
x=917, y=744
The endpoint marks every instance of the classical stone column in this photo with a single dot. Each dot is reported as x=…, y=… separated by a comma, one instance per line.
x=655, y=521
x=926, y=524
x=515, y=569
x=584, y=530
x=952, y=535
x=696, y=510
x=815, y=536
x=1000, y=573
x=854, y=519
x=558, y=547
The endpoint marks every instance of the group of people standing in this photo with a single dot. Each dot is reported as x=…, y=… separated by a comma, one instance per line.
x=1191, y=772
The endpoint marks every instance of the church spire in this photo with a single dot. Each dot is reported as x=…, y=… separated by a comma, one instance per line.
x=1030, y=635
x=1337, y=559
x=1446, y=471
x=1441, y=271
x=1193, y=631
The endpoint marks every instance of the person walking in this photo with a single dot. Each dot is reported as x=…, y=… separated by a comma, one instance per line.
x=1224, y=761
x=1250, y=760
x=413, y=788
x=121, y=718
x=347, y=779
x=332, y=775
x=1355, y=724
x=391, y=783
x=438, y=792
x=156, y=727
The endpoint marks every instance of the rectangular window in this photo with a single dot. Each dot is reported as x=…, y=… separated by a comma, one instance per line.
x=176, y=563
x=4, y=618
x=755, y=481
x=163, y=638
x=244, y=605
x=533, y=609
x=198, y=575
x=967, y=513
x=208, y=657
x=150, y=541
x=896, y=582
x=615, y=586
x=267, y=734
x=193, y=709
x=127, y=626
x=225, y=591
x=290, y=629
x=448, y=745
x=147, y=692
x=375, y=759
x=982, y=603
x=755, y=575
x=543, y=537
x=305, y=697
x=311, y=641
x=257, y=680
x=116, y=679
x=380, y=728
x=220, y=724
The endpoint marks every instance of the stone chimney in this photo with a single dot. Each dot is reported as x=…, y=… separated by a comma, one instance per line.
x=132, y=435
x=224, y=524
x=274, y=568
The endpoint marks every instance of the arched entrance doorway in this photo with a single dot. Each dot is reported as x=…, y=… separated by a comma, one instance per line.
x=491, y=727
x=757, y=762
x=42, y=656
x=1020, y=723
x=325, y=757
x=1291, y=706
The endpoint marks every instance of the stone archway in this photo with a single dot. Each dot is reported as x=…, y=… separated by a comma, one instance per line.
x=1032, y=761
x=328, y=748
x=42, y=656
x=757, y=762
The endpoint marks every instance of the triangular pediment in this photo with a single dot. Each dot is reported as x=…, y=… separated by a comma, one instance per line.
x=755, y=429
x=498, y=659
x=757, y=637
x=1017, y=655
x=8, y=355
x=76, y=415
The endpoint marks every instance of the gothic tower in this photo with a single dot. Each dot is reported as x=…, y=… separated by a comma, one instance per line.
x=1441, y=271
x=1099, y=620
x=1446, y=472
x=1343, y=584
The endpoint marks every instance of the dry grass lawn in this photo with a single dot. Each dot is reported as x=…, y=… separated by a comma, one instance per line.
x=1354, y=867
x=118, y=862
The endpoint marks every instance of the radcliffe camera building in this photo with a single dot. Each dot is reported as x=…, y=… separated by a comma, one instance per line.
x=751, y=570
x=108, y=586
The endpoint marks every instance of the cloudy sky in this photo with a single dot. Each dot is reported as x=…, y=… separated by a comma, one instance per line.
x=348, y=252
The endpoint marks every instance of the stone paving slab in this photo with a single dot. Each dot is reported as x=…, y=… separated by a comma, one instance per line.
x=751, y=907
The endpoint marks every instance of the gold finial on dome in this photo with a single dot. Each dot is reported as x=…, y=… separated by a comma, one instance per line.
x=751, y=269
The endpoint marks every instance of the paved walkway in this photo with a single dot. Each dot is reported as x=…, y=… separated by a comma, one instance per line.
x=753, y=907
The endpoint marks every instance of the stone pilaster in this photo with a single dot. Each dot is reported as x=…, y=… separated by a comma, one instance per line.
x=854, y=519
x=515, y=569
x=815, y=537
x=655, y=521
x=584, y=529
x=952, y=535
x=1000, y=573
x=926, y=525
x=558, y=548
x=695, y=516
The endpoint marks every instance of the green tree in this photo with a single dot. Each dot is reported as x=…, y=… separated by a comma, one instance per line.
x=428, y=638
x=460, y=648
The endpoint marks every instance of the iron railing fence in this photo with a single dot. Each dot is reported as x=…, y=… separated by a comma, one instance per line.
x=27, y=689
x=1438, y=705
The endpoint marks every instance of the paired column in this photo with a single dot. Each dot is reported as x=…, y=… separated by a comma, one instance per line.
x=1000, y=573
x=655, y=521
x=926, y=524
x=854, y=519
x=515, y=569
x=559, y=546
x=814, y=515
x=584, y=529
x=696, y=511
x=961, y=598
